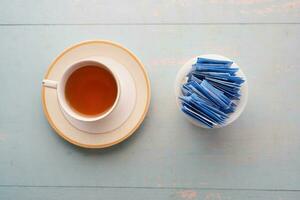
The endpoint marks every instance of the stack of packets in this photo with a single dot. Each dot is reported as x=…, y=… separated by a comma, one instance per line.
x=211, y=91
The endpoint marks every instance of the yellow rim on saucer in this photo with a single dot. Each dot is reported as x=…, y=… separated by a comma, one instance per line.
x=59, y=132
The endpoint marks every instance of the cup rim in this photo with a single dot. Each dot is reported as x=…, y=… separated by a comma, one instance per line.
x=61, y=91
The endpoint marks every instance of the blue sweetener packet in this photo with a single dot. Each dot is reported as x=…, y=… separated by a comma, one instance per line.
x=213, y=61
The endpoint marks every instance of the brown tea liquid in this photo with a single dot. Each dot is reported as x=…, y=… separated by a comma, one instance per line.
x=91, y=90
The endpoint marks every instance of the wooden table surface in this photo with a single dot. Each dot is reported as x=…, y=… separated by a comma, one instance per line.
x=257, y=157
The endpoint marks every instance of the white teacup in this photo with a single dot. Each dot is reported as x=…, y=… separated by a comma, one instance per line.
x=60, y=87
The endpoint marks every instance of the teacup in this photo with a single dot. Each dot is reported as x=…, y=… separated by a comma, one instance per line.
x=88, y=90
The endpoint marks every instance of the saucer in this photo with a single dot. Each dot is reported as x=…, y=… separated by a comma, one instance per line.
x=181, y=79
x=134, y=101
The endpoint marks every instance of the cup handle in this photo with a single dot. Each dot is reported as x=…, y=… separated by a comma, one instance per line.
x=49, y=83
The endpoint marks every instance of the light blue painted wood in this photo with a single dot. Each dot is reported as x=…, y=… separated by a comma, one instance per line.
x=149, y=11
x=257, y=157
x=55, y=193
x=259, y=151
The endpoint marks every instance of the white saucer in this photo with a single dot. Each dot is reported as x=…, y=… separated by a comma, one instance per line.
x=124, y=120
x=181, y=79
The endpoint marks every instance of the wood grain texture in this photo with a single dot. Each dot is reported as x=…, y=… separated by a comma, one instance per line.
x=257, y=157
x=260, y=151
x=54, y=193
x=148, y=11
